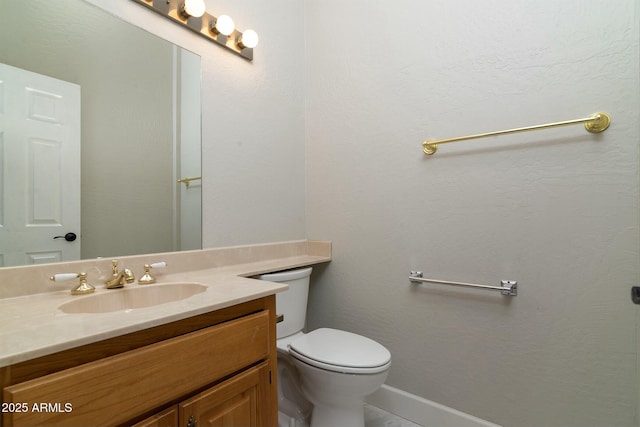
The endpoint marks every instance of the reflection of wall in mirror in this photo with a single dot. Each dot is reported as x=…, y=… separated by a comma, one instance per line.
x=127, y=118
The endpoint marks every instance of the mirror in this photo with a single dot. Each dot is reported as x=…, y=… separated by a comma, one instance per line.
x=140, y=125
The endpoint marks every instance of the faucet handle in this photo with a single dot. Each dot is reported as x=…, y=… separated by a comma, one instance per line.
x=160, y=264
x=63, y=276
x=82, y=288
x=147, y=278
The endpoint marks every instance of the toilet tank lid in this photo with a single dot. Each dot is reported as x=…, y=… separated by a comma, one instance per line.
x=341, y=348
x=287, y=275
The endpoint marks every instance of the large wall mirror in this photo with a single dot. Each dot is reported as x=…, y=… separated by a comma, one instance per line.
x=140, y=132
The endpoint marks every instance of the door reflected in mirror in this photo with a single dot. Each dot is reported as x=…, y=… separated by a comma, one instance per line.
x=140, y=132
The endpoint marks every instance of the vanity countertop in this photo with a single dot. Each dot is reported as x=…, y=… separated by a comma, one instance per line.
x=32, y=325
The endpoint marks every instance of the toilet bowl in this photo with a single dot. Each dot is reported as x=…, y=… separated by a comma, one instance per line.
x=325, y=374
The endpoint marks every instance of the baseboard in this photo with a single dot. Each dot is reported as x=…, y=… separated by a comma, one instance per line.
x=422, y=411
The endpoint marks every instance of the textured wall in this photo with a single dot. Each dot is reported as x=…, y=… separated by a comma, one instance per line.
x=556, y=210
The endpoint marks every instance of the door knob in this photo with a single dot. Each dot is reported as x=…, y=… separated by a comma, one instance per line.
x=69, y=237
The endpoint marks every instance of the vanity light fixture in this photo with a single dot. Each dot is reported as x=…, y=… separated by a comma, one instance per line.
x=221, y=30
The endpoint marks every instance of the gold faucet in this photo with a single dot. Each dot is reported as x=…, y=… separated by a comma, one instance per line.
x=119, y=278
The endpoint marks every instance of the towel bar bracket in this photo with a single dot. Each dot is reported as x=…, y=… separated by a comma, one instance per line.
x=510, y=287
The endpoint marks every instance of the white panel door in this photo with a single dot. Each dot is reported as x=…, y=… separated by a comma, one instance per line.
x=40, y=160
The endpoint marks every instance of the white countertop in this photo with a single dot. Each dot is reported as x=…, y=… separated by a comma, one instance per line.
x=32, y=325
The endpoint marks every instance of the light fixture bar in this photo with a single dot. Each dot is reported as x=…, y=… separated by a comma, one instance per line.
x=172, y=10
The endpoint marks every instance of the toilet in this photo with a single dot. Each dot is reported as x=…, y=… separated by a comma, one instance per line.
x=323, y=375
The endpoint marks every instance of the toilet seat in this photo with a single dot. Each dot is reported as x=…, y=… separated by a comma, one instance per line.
x=340, y=351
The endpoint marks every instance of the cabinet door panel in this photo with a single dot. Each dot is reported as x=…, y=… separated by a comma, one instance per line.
x=236, y=402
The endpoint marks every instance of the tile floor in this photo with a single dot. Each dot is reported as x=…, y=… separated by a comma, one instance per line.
x=376, y=417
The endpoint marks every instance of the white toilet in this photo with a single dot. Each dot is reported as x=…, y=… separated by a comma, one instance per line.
x=326, y=373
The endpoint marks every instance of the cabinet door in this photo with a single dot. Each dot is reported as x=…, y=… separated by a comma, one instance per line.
x=166, y=418
x=237, y=402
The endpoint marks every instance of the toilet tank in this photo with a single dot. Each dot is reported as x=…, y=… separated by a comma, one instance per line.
x=292, y=303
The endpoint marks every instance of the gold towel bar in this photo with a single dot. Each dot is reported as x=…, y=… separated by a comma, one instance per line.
x=595, y=123
x=187, y=181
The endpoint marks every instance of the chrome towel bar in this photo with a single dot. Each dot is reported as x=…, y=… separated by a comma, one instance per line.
x=595, y=123
x=507, y=287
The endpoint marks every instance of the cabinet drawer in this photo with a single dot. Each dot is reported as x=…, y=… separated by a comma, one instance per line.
x=115, y=389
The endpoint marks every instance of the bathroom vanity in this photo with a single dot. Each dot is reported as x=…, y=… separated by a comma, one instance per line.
x=216, y=365
x=209, y=359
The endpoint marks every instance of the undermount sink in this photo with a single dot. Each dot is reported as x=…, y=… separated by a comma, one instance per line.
x=132, y=297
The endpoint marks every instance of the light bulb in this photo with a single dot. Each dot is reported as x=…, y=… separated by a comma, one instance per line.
x=195, y=8
x=248, y=39
x=224, y=25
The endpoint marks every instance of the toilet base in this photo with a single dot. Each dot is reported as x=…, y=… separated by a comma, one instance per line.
x=337, y=398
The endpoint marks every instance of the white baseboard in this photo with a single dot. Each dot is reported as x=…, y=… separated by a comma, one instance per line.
x=422, y=411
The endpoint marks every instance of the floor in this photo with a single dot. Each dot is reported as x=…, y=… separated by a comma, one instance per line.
x=375, y=417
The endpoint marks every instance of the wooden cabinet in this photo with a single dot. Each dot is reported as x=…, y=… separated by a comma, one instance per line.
x=220, y=374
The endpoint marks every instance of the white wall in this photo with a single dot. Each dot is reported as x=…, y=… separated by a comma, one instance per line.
x=556, y=210
x=252, y=120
